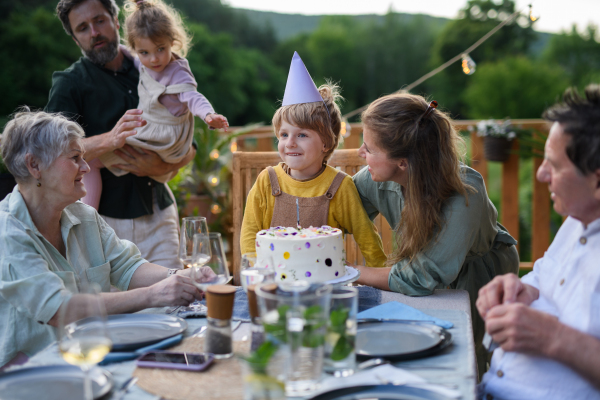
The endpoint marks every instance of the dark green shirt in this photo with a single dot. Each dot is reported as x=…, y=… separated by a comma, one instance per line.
x=97, y=98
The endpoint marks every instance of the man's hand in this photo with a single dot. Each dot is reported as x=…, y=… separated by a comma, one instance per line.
x=148, y=163
x=217, y=121
x=114, y=139
x=504, y=289
x=176, y=290
x=518, y=327
x=124, y=128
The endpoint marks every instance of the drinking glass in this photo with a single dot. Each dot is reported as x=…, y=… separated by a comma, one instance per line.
x=252, y=272
x=340, y=357
x=189, y=227
x=294, y=316
x=211, y=270
x=83, y=334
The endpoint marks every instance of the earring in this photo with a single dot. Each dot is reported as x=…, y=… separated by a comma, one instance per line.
x=39, y=184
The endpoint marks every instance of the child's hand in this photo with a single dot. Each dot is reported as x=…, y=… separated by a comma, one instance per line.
x=217, y=121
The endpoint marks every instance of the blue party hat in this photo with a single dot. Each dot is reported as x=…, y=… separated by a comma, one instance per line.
x=300, y=87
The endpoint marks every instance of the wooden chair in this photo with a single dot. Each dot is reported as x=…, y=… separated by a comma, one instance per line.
x=247, y=166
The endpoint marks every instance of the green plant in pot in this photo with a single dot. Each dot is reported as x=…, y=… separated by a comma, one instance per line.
x=498, y=137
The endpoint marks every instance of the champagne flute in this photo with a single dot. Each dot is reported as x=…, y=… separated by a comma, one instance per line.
x=189, y=227
x=214, y=270
x=83, y=333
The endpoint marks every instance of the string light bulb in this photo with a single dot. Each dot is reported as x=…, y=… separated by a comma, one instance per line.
x=233, y=146
x=531, y=16
x=215, y=209
x=214, y=154
x=213, y=180
x=468, y=65
x=345, y=128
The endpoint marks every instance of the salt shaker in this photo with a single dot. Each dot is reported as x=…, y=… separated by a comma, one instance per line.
x=219, y=301
x=256, y=328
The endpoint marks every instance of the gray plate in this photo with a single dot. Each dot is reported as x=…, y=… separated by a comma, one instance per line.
x=380, y=392
x=399, y=340
x=129, y=332
x=54, y=382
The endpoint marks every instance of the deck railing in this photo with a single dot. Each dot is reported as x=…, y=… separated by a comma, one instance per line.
x=509, y=201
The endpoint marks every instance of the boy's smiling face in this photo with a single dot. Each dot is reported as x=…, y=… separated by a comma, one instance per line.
x=301, y=149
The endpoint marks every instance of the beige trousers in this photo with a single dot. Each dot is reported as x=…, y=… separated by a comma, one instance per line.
x=156, y=235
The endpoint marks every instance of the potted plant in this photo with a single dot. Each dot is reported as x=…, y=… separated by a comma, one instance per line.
x=7, y=181
x=497, y=140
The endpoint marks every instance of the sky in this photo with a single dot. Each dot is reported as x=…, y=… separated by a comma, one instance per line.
x=554, y=15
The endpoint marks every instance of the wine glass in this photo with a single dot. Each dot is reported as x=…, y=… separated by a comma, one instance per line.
x=212, y=270
x=253, y=271
x=83, y=333
x=189, y=227
x=201, y=254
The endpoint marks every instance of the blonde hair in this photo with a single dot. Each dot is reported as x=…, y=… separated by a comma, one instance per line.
x=315, y=116
x=433, y=150
x=153, y=19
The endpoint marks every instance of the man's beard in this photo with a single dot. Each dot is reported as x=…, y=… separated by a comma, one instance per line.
x=105, y=54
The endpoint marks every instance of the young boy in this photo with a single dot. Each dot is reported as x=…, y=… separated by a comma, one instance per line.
x=308, y=128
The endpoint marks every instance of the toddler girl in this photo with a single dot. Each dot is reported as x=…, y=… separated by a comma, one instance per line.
x=167, y=91
x=308, y=129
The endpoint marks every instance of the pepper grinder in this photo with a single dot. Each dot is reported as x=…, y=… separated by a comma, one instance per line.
x=219, y=301
x=256, y=328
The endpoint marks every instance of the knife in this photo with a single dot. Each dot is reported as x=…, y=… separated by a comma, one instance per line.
x=126, y=386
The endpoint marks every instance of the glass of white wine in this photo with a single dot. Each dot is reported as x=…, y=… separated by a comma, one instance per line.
x=189, y=227
x=83, y=333
x=211, y=270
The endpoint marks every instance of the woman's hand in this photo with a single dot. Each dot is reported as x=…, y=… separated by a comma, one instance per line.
x=375, y=277
x=217, y=121
x=176, y=290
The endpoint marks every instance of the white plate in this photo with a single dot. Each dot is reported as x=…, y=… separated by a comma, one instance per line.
x=56, y=382
x=352, y=275
x=129, y=332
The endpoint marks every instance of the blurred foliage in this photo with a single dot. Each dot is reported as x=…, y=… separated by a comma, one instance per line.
x=514, y=87
x=577, y=53
x=477, y=18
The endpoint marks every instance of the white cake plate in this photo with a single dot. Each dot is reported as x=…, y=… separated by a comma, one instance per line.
x=352, y=275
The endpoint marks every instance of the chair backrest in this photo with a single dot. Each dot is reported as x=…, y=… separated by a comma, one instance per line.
x=247, y=166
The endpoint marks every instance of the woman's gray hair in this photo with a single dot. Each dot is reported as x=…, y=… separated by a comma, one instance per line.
x=43, y=135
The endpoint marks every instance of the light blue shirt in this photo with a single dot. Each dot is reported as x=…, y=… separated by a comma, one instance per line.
x=568, y=278
x=35, y=278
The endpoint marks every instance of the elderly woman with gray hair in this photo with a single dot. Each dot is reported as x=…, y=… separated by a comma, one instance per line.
x=51, y=243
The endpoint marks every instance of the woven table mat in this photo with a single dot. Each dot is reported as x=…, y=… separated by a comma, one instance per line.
x=221, y=381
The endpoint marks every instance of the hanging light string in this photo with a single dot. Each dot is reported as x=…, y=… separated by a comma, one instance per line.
x=446, y=64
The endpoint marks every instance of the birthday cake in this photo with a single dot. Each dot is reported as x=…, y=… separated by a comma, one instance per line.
x=310, y=254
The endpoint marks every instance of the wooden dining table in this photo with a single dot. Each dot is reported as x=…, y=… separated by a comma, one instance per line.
x=453, y=367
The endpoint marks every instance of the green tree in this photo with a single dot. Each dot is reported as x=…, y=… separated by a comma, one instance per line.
x=476, y=19
x=514, y=87
x=578, y=54
x=34, y=45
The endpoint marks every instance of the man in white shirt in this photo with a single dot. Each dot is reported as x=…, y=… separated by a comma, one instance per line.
x=548, y=323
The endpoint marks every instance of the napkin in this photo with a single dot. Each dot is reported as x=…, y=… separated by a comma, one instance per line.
x=384, y=375
x=396, y=310
x=116, y=356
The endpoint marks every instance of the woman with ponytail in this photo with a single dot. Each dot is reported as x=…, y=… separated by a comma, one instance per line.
x=446, y=229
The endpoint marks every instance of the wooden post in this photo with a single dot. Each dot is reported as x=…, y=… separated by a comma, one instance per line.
x=510, y=193
x=354, y=140
x=264, y=144
x=478, y=162
x=540, y=228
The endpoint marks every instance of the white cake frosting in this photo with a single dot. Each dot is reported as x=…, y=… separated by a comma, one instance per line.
x=310, y=254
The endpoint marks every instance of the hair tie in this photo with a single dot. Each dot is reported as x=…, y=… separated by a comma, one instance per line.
x=430, y=108
x=140, y=2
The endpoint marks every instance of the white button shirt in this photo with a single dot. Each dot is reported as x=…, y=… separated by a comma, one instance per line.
x=568, y=278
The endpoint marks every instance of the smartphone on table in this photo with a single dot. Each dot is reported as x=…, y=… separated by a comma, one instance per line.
x=172, y=360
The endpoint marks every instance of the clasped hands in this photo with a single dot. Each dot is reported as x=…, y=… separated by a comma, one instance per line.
x=504, y=305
